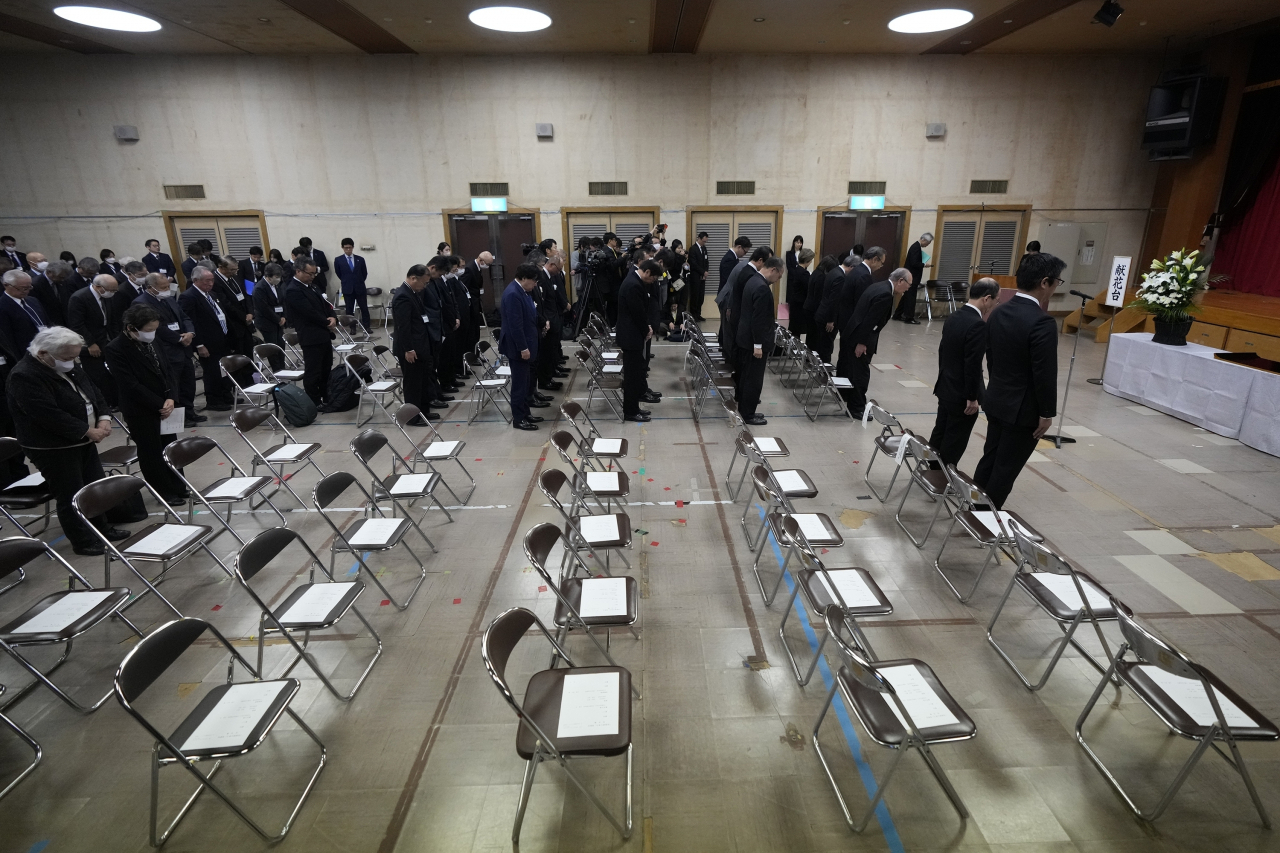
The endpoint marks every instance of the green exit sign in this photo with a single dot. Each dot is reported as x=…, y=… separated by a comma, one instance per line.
x=488, y=205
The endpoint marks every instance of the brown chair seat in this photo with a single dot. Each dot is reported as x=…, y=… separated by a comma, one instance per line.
x=115, y=457
x=14, y=637
x=808, y=490
x=934, y=481
x=821, y=598
x=832, y=538
x=206, y=706
x=1057, y=608
x=883, y=725
x=571, y=589
x=982, y=529
x=194, y=534
x=542, y=704
x=889, y=444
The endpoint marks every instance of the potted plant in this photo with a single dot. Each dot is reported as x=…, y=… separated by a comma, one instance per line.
x=1168, y=292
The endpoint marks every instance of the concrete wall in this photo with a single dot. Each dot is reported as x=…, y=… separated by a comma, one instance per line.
x=375, y=147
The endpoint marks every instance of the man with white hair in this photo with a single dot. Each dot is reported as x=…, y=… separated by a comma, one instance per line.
x=59, y=417
x=914, y=264
x=21, y=316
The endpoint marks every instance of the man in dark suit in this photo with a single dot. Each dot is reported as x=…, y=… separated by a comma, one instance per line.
x=174, y=338
x=519, y=342
x=230, y=292
x=353, y=273
x=251, y=268
x=411, y=344
x=314, y=319
x=828, y=308
x=554, y=304
x=633, y=330
x=21, y=316
x=959, y=388
x=44, y=289
x=699, y=264
x=321, y=282
x=906, y=310
x=856, y=283
x=90, y=315
x=268, y=305
x=1022, y=362
x=754, y=336
x=157, y=261
x=86, y=270
x=731, y=259
x=195, y=255
x=475, y=275
x=608, y=280
x=9, y=246
x=440, y=319
x=732, y=303
x=209, y=318
x=861, y=335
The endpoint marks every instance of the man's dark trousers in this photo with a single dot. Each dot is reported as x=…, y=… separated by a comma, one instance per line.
x=634, y=368
x=750, y=382
x=1007, y=450
x=951, y=431
x=413, y=380
x=857, y=368
x=521, y=388
x=317, y=362
x=66, y=471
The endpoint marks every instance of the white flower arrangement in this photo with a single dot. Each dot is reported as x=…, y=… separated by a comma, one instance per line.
x=1169, y=289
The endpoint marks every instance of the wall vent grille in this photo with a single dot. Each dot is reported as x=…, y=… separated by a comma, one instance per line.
x=607, y=187
x=996, y=187
x=491, y=189
x=735, y=187
x=177, y=191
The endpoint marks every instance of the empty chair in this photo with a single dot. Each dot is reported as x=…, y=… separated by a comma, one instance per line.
x=1069, y=596
x=278, y=457
x=273, y=364
x=166, y=543
x=309, y=606
x=495, y=366
x=786, y=484
x=823, y=386
x=232, y=719
x=121, y=458
x=406, y=486
x=487, y=390
x=55, y=619
x=377, y=392
x=593, y=447
x=233, y=488
x=609, y=532
x=901, y=705
x=30, y=742
x=544, y=733
x=608, y=387
x=436, y=451
x=607, y=485
x=27, y=493
x=1188, y=699
x=258, y=394
x=819, y=531
x=295, y=349
x=385, y=370
x=931, y=480
x=374, y=532
x=889, y=442
x=772, y=448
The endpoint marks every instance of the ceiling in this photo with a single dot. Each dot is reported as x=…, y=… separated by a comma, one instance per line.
x=275, y=27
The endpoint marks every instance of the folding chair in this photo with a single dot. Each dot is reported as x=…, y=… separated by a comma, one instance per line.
x=56, y=619
x=609, y=485
x=395, y=487
x=29, y=741
x=543, y=736
x=437, y=450
x=377, y=392
x=308, y=607
x=368, y=534
x=250, y=709
x=932, y=481
x=986, y=527
x=295, y=349
x=376, y=308
x=498, y=367
x=259, y=394
x=584, y=602
x=827, y=386
x=1188, y=699
x=226, y=491
x=591, y=533
x=121, y=458
x=822, y=533
x=274, y=365
x=609, y=387
x=849, y=588
x=773, y=448
x=166, y=543
x=277, y=457
x=1069, y=596
x=385, y=370
x=783, y=485
x=889, y=442
x=592, y=445
x=929, y=716
x=486, y=391
x=24, y=494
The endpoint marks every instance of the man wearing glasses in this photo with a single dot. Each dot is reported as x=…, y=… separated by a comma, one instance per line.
x=1022, y=361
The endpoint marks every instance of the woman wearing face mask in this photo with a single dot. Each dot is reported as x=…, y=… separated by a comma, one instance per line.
x=148, y=393
x=60, y=417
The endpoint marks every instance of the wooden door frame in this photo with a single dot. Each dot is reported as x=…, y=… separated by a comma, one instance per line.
x=656, y=210
x=455, y=211
x=1024, y=227
x=844, y=208
x=171, y=232
x=692, y=209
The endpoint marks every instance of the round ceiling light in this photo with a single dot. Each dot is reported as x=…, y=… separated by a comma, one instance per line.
x=107, y=19
x=931, y=21
x=509, y=19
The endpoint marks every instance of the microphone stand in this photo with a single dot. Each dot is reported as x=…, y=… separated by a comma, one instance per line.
x=1115, y=309
x=1060, y=439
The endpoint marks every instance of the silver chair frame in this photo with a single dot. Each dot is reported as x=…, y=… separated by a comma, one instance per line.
x=194, y=493
x=420, y=455
x=30, y=742
x=890, y=423
x=277, y=468
x=968, y=494
x=924, y=456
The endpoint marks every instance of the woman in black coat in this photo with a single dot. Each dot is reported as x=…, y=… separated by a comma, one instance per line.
x=147, y=394
x=817, y=337
x=797, y=290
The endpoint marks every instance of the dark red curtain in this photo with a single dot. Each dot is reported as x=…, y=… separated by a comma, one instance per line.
x=1249, y=251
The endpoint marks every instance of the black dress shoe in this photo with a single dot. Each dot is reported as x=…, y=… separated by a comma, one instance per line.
x=452, y=386
x=535, y=419
x=650, y=397
x=639, y=418
x=93, y=549
x=912, y=322
x=539, y=404
x=756, y=420
x=196, y=419
x=541, y=398
x=645, y=412
x=445, y=398
x=525, y=425
x=418, y=421
x=116, y=534
x=551, y=386
x=218, y=408
x=431, y=416
x=561, y=373
x=437, y=404
x=174, y=500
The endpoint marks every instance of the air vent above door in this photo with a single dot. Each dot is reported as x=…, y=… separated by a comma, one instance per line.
x=184, y=191
x=490, y=189
x=607, y=187
x=997, y=187
x=866, y=187
x=735, y=187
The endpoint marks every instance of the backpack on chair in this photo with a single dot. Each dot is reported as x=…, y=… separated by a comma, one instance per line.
x=344, y=391
x=297, y=407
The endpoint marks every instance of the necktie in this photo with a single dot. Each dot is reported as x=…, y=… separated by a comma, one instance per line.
x=35, y=318
x=222, y=320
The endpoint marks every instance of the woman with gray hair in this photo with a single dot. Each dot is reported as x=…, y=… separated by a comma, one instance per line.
x=60, y=417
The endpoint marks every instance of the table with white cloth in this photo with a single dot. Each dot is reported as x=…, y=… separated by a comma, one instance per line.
x=1189, y=383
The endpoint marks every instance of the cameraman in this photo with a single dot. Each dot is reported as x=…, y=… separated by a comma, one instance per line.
x=612, y=266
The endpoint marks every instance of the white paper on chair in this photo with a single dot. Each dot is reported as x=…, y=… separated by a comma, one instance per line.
x=1189, y=694
x=866, y=413
x=603, y=481
x=811, y=526
x=922, y=703
x=345, y=347
x=988, y=520
x=290, y=374
x=1064, y=589
x=607, y=445
x=231, y=487
x=385, y=385
x=768, y=445
x=852, y=588
x=440, y=449
x=902, y=450
x=27, y=482
x=375, y=531
x=63, y=612
x=316, y=603
x=163, y=539
x=603, y=597
x=599, y=528
x=288, y=453
x=235, y=716
x=260, y=388
x=410, y=484
x=612, y=368
x=174, y=424
x=790, y=481
x=589, y=705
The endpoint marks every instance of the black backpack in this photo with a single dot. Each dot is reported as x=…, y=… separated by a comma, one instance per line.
x=344, y=389
x=297, y=407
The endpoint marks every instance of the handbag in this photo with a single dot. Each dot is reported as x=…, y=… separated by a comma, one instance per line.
x=677, y=285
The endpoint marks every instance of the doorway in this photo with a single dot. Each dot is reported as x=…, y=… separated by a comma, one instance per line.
x=723, y=227
x=502, y=234
x=841, y=230
x=232, y=233
x=979, y=242
x=627, y=222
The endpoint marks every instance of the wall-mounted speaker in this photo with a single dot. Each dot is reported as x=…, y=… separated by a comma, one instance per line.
x=1182, y=113
x=935, y=130
x=126, y=133
x=545, y=131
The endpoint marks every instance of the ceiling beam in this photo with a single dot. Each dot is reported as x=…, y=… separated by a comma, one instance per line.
x=57, y=38
x=678, y=25
x=350, y=25
x=978, y=34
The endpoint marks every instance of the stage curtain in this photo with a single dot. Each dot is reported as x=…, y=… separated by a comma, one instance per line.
x=1249, y=250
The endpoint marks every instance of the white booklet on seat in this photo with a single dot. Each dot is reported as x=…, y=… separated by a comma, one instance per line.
x=375, y=531
x=63, y=612
x=163, y=539
x=599, y=528
x=603, y=597
x=852, y=587
x=231, y=487
x=607, y=445
x=288, y=453
x=411, y=484
x=927, y=710
x=316, y=603
x=235, y=716
x=790, y=481
x=589, y=705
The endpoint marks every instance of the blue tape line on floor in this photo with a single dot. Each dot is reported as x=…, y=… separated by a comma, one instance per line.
x=883, y=817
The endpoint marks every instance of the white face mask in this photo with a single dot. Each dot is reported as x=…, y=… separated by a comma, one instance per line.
x=274, y=282
x=146, y=337
x=42, y=266
x=111, y=260
x=164, y=294
x=107, y=294
x=63, y=366
x=482, y=265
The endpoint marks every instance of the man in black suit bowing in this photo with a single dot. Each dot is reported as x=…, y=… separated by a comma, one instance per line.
x=209, y=317
x=856, y=283
x=959, y=388
x=754, y=335
x=353, y=273
x=90, y=315
x=699, y=264
x=1022, y=361
x=906, y=310
x=411, y=345
x=729, y=263
x=314, y=319
x=157, y=261
x=633, y=329
x=861, y=336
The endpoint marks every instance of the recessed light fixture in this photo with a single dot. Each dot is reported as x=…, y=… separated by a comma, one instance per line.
x=966, y=42
x=1009, y=20
x=931, y=21
x=107, y=19
x=388, y=20
x=845, y=22
x=758, y=20
x=428, y=20
x=509, y=19
x=265, y=20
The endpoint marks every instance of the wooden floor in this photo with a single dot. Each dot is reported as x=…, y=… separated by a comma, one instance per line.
x=1249, y=303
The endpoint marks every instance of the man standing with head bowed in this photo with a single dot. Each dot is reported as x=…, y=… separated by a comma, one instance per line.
x=321, y=281
x=353, y=273
x=861, y=335
x=906, y=310
x=699, y=265
x=313, y=318
x=960, y=387
x=89, y=315
x=411, y=344
x=209, y=317
x=174, y=338
x=519, y=342
x=754, y=337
